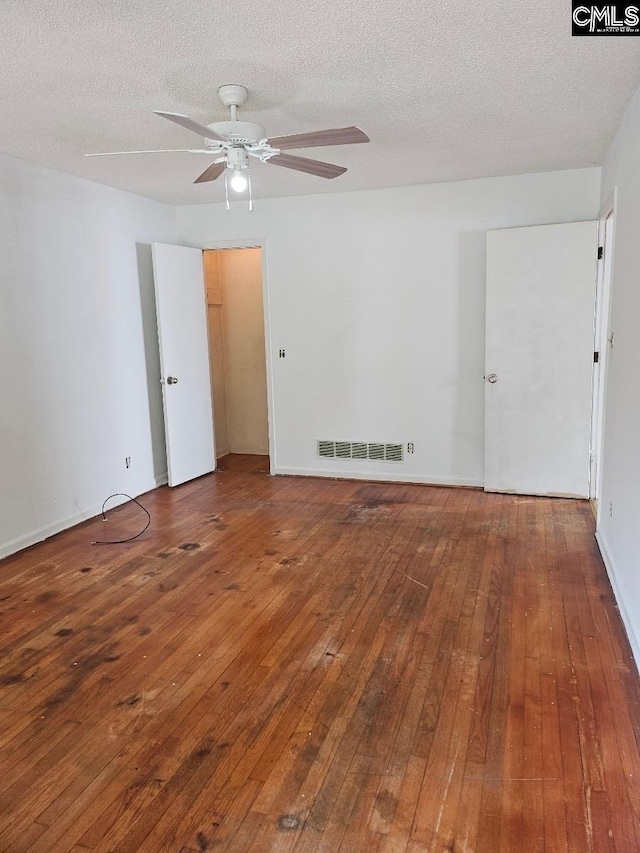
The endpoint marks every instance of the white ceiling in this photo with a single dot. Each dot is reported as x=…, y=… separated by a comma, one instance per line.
x=446, y=90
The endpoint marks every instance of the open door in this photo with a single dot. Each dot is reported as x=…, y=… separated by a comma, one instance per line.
x=184, y=361
x=539, y=358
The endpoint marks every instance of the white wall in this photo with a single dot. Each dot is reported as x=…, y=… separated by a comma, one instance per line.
x=378, y=299
x=79, y=370
x=619, y=523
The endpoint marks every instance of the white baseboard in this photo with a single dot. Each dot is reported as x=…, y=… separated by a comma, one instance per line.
x=627, y=621
x=42, y=533
x=250, y=450
x=391, y=476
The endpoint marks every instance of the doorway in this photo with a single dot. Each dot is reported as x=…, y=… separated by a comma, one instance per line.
x=237, y=354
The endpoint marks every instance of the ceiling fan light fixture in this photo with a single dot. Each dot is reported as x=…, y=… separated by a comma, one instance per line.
x=238, y=182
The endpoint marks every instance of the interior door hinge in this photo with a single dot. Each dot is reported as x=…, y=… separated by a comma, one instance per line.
x=600, y=252
x=596, y=357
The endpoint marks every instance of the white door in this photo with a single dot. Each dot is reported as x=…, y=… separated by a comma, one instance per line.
x=184, y=361
x=539, y=358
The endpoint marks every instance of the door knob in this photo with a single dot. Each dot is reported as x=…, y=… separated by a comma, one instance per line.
x=492, y=378
x=172, y=380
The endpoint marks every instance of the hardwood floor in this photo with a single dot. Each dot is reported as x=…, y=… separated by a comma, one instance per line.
x=289, y=664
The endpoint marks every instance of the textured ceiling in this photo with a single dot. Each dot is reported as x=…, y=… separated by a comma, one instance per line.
x=445, y=90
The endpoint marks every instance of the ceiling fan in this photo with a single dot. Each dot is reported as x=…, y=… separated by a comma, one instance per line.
x=233, y=142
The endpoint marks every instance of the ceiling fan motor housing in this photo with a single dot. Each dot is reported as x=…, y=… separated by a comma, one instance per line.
x=239, y=131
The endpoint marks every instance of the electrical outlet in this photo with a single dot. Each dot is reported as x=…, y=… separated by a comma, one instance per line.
x=127, y=462
x=410, y=447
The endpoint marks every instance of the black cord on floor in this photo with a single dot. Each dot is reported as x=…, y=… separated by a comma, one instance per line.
x=104, y=518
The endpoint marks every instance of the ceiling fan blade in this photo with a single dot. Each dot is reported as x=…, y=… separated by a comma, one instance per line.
x=211, y=173
x=190, y=124
x=337, y=136
x=153, y=151
x=303, y=164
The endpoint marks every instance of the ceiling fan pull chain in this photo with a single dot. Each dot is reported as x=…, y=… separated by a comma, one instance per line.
x=226, y=188
x=250, y=191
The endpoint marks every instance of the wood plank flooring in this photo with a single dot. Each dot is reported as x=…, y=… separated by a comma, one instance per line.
x=311, y=666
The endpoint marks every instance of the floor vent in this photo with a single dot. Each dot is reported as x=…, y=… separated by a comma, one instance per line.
x=360, y=450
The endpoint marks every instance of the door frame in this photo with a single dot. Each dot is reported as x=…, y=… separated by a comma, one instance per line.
x=258, y=243
x=602, y=343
